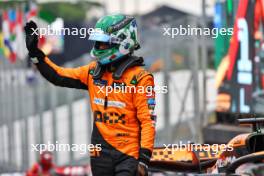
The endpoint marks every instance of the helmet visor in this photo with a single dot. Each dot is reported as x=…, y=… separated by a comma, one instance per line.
x=101, y=37
x=104, y=45
x=95, y=36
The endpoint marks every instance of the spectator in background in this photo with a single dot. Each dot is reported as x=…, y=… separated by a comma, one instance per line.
x=44, y=167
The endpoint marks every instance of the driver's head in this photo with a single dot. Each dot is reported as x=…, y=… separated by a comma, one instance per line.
x=46, y=159
x=115, y=36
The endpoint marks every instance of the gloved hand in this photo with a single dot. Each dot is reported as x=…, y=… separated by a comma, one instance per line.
x=32, y=42
x=142, y=169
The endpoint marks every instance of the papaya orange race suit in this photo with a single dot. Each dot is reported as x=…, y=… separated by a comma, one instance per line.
x=123, y=111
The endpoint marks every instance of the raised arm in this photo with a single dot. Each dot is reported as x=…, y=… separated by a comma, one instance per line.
x=64, y=77
x=59, y=76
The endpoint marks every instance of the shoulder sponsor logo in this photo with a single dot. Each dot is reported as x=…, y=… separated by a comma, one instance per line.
x=91, y=71
x=133, y=80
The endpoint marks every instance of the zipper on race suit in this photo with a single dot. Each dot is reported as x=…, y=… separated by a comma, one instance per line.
x=106, y=94
x=105, y=102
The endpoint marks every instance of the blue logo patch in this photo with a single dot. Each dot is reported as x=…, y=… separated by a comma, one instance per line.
x=100, y=82
x=151, y=101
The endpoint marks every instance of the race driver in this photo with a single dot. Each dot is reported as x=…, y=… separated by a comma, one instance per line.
x=44, y=167
x=124, y=121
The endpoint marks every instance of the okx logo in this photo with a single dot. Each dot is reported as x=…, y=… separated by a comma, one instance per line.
x=109, y=117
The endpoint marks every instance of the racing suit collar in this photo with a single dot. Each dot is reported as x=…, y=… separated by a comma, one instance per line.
x=117, y=68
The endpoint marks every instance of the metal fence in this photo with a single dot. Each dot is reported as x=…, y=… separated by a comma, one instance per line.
x=186, y=106
x=33, y=111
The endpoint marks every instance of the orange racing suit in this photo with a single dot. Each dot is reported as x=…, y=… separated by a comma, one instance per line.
x=123, y=120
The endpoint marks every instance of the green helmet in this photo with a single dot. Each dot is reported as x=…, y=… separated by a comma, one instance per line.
x=118, y=36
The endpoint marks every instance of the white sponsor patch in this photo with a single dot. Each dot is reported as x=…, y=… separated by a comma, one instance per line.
x=98, y=101
x=118, y=104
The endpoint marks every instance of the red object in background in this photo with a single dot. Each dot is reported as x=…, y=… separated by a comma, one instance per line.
x=5, y=15
x=37, y=170
x=44, y=167
x=241, y=13
x=42, y=41
x=46, y=159
x=73, y=170
x=262, y=81
x=19, y=19
x=33, y=11
x=234, y=44
x=12, y=57
x=259, y=14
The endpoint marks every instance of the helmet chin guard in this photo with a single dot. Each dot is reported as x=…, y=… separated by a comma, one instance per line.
x=125, y=63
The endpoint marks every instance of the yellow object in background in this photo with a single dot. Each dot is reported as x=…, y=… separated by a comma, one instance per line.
x=3, y=49
x=221, y=71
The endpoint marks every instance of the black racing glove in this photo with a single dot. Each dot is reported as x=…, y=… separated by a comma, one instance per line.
x=142, y=169
x=144, y=155
x=34, y=52
x=144, y=159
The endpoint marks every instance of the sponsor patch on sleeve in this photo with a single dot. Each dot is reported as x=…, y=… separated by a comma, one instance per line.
x=151, y=101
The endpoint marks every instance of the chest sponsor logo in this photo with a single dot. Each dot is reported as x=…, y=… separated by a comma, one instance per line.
x=110, y=103
x=122, y=134
x=109, y=117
